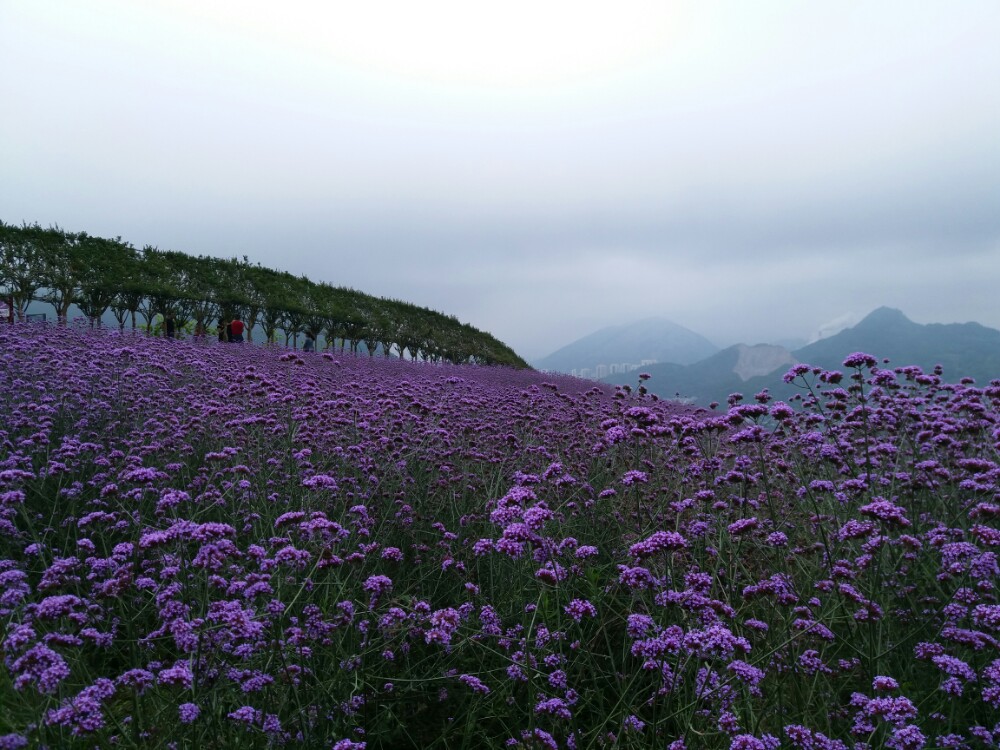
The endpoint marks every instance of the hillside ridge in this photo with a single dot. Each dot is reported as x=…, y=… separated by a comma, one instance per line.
x=98, y=275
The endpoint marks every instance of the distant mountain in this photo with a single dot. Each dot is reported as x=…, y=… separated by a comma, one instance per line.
x=741, y=368
x=651, y=339
x=962, y=349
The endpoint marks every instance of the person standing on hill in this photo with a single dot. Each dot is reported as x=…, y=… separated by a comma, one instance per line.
x=310, y=343
x=223, y=330
x=236, y=331
x=170, y=325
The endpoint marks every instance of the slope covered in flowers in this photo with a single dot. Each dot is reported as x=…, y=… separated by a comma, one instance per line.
x=222, y=546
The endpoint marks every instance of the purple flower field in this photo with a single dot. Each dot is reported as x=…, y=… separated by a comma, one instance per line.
x=238, y=547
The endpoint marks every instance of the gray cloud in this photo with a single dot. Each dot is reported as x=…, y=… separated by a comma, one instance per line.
x=750, y=171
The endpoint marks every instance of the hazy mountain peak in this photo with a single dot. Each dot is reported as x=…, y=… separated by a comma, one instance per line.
x=963, y=349
x=885, y=316
x=641, y=342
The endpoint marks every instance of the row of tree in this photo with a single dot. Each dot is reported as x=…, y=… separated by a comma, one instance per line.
x=100, y=275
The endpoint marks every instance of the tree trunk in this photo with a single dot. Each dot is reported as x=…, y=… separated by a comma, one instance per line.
x=64, y=312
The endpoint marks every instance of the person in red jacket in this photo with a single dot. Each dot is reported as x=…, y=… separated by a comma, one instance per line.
x=236, y=330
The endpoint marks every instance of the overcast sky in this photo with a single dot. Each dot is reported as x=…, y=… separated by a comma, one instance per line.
x=538, y=168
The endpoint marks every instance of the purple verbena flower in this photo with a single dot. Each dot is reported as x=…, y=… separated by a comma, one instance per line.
x=474, y=683
x=580, y=607
x=188, y=712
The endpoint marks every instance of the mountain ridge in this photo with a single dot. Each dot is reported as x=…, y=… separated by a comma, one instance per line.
x=962, y=349
x=653, y=338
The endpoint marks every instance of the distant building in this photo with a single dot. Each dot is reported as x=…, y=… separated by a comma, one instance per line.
x=601, y=371
x=586, y=372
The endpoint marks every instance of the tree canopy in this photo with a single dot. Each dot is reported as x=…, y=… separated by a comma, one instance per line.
x=98, y=274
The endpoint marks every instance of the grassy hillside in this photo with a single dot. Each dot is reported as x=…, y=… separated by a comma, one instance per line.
x=99, y=276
